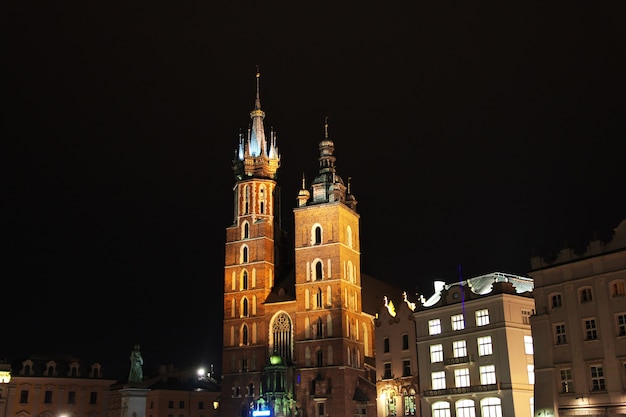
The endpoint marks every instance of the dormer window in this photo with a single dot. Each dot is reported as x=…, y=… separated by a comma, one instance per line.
x=96, y=371
x=74, y=368
x=50, y=369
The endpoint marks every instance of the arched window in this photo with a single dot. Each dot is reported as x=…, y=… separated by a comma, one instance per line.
x=465, y=408
x=319, y=329
x=244, y=254
x=349, y=236
x=262, y=199
x=329, y=296
x=317, y=235
x=281, y=335
x=244, y=335
x=491, y=407
x=246, y=199
x=350, y=272
x=319, y=357
x=318, y=270
x=244, y=307
x=617, y=288
x=441, y=409
x=244, y=280
x=318, y=298
x=585, y=295
x=556, y=300
x=409, y=402
x=391, y=403
x=246, y=230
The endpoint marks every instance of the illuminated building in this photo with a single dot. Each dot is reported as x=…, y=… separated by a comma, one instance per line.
x=475, y=348
x=297, y=337
x=55, y=385
x=580, y=330
x=397, y=384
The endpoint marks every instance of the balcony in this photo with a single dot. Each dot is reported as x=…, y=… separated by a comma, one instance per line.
x=457, y=361
x=462, y=390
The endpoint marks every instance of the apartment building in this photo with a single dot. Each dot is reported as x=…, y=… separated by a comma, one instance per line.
x=396, y=359
x=580, y=330
x=53, y=386
x=475, y=348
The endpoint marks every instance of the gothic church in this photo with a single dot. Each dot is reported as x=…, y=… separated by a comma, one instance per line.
x=297, y=339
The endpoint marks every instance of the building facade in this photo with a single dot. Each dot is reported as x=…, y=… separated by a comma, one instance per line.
x=296, y=339
x=580, y=330
x=475, y=348
x=53, y=386
x=397, y=385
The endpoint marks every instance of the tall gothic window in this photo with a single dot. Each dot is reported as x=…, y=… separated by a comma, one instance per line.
x=280, y=328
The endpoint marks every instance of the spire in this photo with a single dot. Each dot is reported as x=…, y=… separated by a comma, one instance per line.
x=254, y=156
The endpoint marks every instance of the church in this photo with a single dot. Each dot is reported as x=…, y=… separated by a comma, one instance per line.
x=298, y=330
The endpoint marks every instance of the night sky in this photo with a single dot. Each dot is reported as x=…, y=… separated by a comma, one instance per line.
x=474, y=133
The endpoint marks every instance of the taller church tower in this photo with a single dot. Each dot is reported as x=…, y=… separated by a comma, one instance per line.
x=295, y=340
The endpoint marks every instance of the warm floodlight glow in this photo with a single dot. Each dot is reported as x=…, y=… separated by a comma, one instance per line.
x=5, y=377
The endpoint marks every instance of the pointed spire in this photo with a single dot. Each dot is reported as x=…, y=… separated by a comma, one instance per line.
x=255, y=156
x=326, y=127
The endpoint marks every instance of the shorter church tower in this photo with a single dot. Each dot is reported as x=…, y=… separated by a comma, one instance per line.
x=333, y=336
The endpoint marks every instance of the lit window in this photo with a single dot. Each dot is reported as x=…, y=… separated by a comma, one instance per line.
x=462, y=377
x=487, y=374
x=438, y=380
x=459, y=348
x=458, y=322
x=591, y=332
x=585, y=295
x=484, y=346
x=434, y=326
x=465, y=408
x=482, y=317
x=410, y=405
x=436, y=353
x=528, y=344
x=567, y=383
x=531, y=373
x=441, y=409
x=559, y=334
x=491, y=407
x=557, y=301
x=597, y=378
x=621, y=324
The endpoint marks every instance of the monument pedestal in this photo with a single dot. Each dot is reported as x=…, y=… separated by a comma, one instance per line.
x=133, y=400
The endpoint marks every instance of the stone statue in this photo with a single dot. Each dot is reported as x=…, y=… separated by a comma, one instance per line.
x=136, y=363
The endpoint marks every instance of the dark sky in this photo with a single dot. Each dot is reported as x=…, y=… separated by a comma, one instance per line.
x=474, y=132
